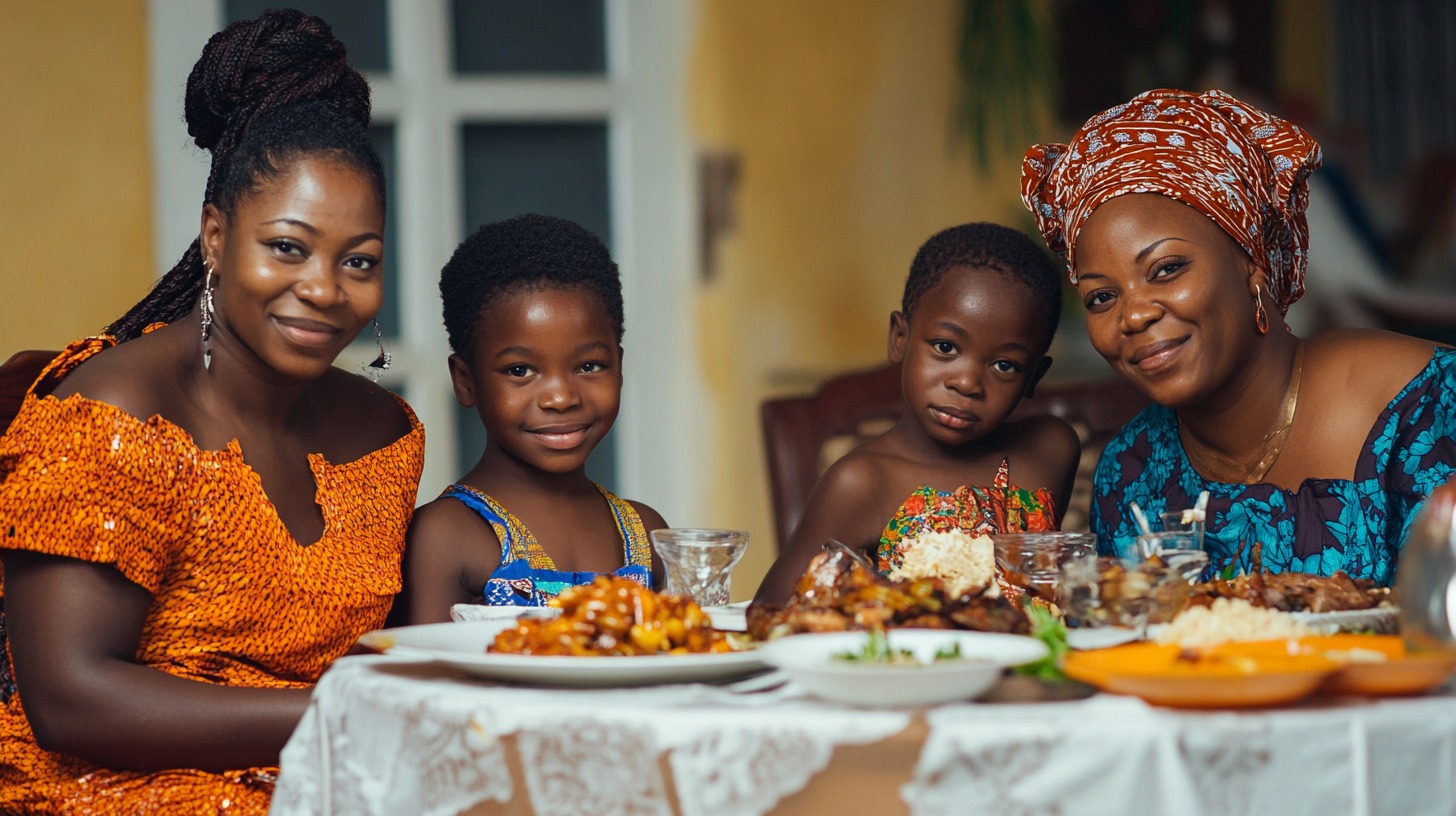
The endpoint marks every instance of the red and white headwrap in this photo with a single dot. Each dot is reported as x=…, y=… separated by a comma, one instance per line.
x=1245, y=169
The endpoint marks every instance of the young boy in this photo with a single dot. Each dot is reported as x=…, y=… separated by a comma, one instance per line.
x=980, y=307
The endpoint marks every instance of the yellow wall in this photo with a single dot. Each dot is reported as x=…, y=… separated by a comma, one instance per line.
x=840, y=115
x=75, y=200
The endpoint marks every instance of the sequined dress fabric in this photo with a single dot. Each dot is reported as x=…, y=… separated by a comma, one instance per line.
x=236, y=600
x=975, y=510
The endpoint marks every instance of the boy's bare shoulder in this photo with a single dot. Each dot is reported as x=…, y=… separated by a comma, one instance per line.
x=1043, y=437
x=861, y=472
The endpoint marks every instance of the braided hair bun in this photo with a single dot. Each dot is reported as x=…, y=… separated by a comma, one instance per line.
x=264, y=93
x=254, y=66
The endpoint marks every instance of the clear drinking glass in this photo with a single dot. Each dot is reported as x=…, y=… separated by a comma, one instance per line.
x=1109, y=591
x=1189, y=521
x=1179, y=549
x=1034, y=561
x=699, y=562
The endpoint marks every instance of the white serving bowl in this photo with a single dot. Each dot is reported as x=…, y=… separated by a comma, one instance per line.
x=809, y=661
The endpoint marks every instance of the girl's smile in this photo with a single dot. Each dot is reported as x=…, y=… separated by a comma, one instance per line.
x=558, y=437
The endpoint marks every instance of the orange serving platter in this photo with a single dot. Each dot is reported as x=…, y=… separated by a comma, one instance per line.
x=1400, y=673
x=1213, y=678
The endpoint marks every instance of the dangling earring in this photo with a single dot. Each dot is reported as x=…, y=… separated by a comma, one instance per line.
x=381, y=363
x=205, y=306
x=1261, y=317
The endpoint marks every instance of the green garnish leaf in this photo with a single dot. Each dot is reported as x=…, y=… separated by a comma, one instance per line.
x=1049, y=629
x=877, y=650
x=951, y=652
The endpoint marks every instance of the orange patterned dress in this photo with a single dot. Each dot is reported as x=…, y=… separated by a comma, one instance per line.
x=236, y=600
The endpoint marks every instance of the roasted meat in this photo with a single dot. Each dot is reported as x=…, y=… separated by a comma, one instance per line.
x=836, y=593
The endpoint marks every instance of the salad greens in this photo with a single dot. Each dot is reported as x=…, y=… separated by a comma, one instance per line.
x=877, y=650
x=1049, y=629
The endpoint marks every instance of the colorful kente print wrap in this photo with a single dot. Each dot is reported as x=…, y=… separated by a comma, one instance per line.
x=1327, y=525
x=527, y=576
x=1245, y=169
x=236, y=600
x=1000, y=508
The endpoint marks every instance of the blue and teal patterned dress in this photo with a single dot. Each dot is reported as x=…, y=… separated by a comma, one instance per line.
x=1357, y=526
x=527, y=576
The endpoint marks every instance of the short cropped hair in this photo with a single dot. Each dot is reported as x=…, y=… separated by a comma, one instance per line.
x=528, y=252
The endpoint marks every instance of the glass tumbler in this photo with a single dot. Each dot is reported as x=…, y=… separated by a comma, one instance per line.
x=1035, y=561
x=699, y=562
x=1178, y=549
x=1186, y=521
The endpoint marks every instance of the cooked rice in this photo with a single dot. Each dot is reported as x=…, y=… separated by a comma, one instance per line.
x=1230, y=619
x=964, y=564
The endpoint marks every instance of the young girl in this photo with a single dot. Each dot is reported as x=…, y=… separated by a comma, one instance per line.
x=980, y=307
x=533, y=308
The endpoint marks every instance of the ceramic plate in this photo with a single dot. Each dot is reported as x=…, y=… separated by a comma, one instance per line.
x=462, y=645
x=1100, y=637
x=810, y=660
x=1382, y=620
x=1233, y=679
x=1379, y=665
x=725, y=618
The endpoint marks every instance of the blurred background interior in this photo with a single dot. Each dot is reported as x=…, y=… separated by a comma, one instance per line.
x=764, y=170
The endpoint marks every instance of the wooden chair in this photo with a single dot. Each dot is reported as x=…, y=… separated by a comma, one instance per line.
x=804, y=435
x=16, y=376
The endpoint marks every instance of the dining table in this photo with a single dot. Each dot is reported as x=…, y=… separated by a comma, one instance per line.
x=389, y=734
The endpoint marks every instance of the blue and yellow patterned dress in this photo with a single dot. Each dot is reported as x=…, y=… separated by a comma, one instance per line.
x=527, y=576
x=1353, y=525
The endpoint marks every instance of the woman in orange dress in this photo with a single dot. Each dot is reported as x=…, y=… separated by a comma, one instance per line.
x=197, y=519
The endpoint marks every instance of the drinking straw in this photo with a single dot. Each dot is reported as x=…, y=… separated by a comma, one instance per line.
x=1202, y=504
x=1142, y=520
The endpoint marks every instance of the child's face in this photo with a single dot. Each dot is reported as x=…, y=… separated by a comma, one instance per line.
x=546, y=376
x=973, y=348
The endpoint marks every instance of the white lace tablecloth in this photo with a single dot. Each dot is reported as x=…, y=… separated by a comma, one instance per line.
x=384, y=736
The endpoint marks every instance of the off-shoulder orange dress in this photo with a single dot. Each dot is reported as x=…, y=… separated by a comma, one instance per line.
x=236, y=600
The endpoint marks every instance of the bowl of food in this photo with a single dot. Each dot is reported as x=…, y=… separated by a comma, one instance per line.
x=903, y=667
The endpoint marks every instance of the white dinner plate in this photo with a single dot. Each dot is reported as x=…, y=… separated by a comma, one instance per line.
x=811, y=660
x=730, y=618
x=1100, y=637
x=1382, y=620
x=462, y=645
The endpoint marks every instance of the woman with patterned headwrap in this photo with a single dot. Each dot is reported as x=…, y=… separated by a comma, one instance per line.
x=1181, y=218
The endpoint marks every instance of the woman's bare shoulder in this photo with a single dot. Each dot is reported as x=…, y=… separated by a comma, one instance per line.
x=1367, y=361
x=139, y=378
x=362, y=409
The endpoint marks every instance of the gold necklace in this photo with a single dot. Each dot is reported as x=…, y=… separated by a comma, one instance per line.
x=1219, y=468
